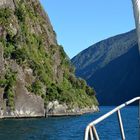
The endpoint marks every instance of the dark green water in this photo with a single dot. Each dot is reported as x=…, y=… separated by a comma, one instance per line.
x=70, y=128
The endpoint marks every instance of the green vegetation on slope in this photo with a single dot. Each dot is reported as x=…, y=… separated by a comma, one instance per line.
x=8, y=83
x=27, y=48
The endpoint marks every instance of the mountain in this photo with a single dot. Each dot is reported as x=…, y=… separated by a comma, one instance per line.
x=112, y=67
x=36, y=76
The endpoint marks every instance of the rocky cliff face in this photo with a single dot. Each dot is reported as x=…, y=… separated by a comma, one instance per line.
x=34, y=69
x=112, y=66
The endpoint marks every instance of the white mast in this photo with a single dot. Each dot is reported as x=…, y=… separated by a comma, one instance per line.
x=136, y=8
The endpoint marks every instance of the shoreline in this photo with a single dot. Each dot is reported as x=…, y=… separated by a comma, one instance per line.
x=49, y=115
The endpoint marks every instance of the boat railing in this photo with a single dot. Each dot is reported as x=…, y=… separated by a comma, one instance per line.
x=91, y=132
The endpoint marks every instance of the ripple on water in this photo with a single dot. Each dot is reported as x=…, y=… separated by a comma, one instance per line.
x=70, y=128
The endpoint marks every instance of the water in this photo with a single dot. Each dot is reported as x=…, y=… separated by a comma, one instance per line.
x=70, y=128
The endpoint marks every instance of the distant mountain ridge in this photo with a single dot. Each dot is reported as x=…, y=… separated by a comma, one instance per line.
x=101, y=53
x=112, y=67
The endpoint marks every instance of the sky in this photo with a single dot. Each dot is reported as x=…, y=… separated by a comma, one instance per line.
x=81, y=23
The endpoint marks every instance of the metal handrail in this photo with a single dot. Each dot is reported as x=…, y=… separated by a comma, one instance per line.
x=91, y=132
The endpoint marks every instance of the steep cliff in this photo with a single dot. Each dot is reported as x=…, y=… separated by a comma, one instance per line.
x=112, y=67
x=35, y=72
